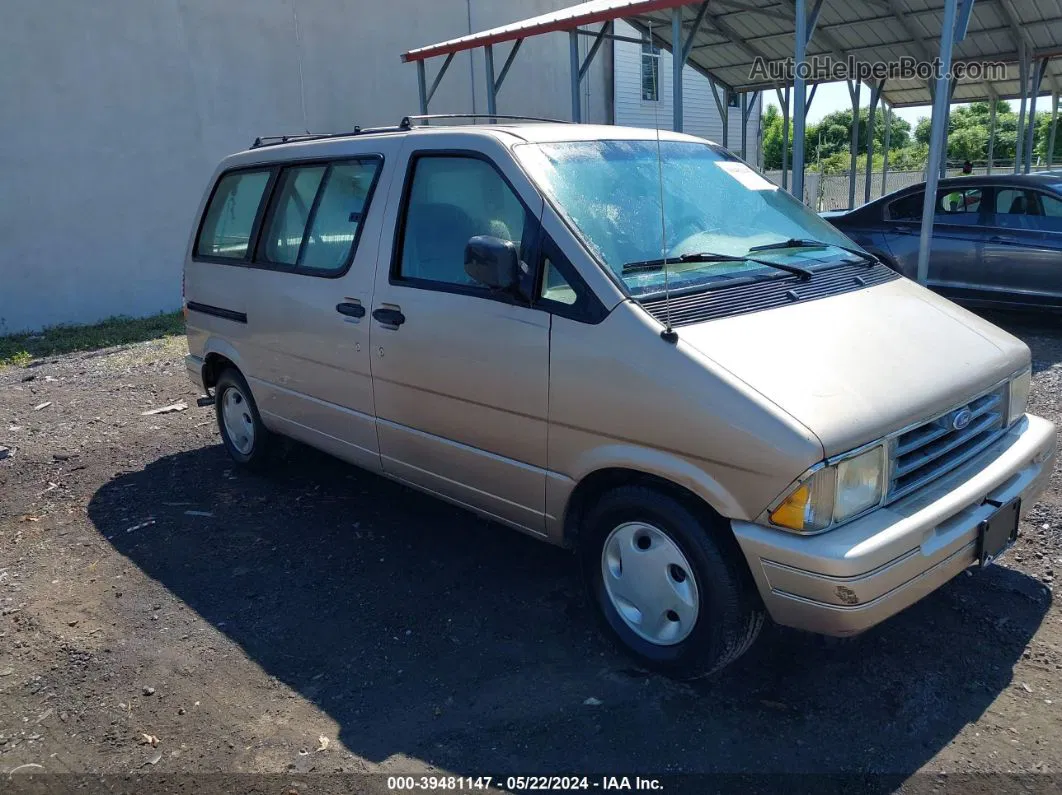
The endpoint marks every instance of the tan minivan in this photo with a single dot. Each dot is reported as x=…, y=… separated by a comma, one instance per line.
x=637, y=348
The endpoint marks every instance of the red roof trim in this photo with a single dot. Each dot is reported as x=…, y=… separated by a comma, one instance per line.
x=564, y=19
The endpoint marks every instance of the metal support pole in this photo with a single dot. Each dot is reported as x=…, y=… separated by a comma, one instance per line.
x=573, y=61
x=422, y=88
x=747, y=106
x=783, y=100
x=992, y=132
x=885, y=154
x=947, y=124
x=677, y=62
x=936, y=140
x=509, y=62
x=745, y=122
x=811, y=96
x=492, y=94
x=875, y=95
x=1051, y=135
x=1037, y=79
x=854, y=87
x=1023, y=73
x=800, y=96
x=726, y=120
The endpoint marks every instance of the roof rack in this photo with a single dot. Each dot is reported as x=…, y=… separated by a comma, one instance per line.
x=407, y=123
x=276, y=140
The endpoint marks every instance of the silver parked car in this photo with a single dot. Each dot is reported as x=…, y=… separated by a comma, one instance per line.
x=636, y=348
x=997, y=240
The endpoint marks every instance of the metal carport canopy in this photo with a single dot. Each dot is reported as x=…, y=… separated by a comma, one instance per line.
x=731, y=34
x=733, y=42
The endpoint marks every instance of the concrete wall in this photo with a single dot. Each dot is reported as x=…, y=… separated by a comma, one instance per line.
x=699, y=111
x=116, y=111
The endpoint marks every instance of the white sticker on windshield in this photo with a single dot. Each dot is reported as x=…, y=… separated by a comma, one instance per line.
x=745, y=175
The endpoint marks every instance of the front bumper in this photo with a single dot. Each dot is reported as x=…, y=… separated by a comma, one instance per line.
x=849, y=579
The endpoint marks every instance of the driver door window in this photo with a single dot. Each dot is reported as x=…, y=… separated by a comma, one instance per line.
x=451, y=199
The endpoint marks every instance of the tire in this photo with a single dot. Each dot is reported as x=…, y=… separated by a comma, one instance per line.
x=248, y=442
x=729, y=613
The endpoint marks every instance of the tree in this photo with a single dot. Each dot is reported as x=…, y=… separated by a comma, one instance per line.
x=830, y=136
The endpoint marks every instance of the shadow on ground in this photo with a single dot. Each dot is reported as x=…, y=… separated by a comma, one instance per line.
x=425, y=631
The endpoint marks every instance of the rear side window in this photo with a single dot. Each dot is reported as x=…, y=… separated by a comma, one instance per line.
x=317, y=215
x=283, y=235
x=229, y=220
x=909, y=208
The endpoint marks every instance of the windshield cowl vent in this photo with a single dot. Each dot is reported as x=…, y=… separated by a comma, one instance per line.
x=740, y=298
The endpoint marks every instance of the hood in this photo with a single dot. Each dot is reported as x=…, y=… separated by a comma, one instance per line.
x=857, y=366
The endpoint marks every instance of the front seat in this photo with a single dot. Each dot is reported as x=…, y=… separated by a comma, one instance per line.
x=1018, y=206
x=435, y=243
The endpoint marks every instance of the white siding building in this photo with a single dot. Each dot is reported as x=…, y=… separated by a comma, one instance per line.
x=634, y=108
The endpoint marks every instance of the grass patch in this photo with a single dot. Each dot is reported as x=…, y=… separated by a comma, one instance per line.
x=20, y=349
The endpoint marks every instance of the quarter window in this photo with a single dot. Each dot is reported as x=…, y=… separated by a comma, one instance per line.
x=554, y=286
x=229, y=220
x=452, y=199
x=909, y=208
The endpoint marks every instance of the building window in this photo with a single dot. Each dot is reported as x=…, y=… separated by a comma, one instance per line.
x=650, y=70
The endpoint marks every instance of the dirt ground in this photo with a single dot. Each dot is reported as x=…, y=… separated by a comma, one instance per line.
x=163, y=613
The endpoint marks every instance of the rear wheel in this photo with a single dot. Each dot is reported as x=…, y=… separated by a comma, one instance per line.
x=666, y=586
x=245, y=437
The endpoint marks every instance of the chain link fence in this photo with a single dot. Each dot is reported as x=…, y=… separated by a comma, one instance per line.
x=830, y=191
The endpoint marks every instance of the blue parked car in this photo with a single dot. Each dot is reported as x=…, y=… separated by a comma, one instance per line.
x=997, y=240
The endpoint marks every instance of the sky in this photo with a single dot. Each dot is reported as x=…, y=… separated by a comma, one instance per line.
x=834, y=96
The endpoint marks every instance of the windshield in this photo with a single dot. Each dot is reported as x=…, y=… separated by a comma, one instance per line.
x=611, y=192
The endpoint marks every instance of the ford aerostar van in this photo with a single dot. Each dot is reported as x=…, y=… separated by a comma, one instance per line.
x=638, y=349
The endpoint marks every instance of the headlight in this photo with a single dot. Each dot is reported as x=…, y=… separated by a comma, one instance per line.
x=1019, y=396
x=834, y=493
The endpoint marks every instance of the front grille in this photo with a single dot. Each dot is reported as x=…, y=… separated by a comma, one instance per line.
x=931, y=450
x=725, y=300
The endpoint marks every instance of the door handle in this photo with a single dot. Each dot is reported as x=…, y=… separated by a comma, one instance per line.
x=350, y=309
x=905, y=230
x=389, y=317
x=1000, y=239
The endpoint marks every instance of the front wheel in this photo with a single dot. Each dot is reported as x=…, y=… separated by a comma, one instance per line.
x=666, y=586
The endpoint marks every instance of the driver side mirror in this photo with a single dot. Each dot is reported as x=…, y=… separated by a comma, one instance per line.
x=493, y=262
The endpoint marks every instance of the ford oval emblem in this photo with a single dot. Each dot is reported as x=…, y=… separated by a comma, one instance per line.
x=962, y=418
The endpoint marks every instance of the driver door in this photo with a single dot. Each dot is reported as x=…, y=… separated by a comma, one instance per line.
x=460, y=373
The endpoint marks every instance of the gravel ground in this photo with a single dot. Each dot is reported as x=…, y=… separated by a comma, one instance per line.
x=163, y=613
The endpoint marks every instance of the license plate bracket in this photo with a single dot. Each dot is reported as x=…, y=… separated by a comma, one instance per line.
x=998, y=532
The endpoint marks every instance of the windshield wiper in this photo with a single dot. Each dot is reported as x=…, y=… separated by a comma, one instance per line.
x=796, y=242
x=709, y=256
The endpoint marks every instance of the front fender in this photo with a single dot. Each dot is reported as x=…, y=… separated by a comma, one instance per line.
x=661, y=464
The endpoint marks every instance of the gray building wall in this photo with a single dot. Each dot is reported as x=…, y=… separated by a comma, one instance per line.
x=116, y=112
